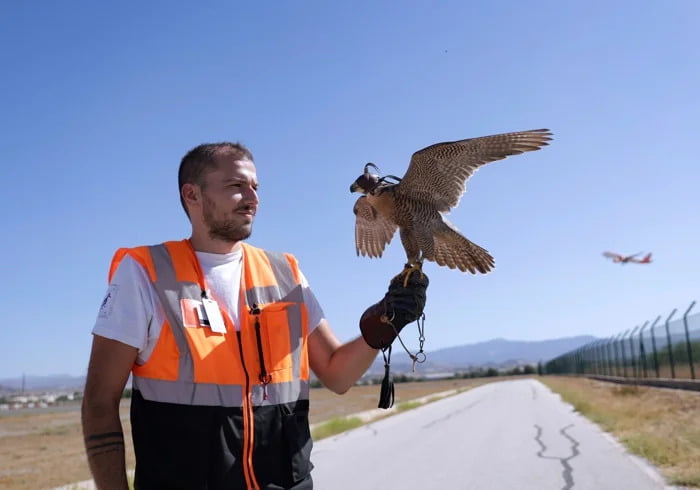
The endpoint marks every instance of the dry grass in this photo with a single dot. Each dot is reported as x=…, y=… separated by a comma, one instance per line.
x=659, y=424
x=39, y=451
x=42, y=451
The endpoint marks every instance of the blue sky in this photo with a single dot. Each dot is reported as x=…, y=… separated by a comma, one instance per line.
x=100, y=102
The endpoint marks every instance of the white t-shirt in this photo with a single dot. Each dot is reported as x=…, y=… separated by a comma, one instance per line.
x=131, y=312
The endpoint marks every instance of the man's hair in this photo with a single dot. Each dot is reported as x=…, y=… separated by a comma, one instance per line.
x=201, y=159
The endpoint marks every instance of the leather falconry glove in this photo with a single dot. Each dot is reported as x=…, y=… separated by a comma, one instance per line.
x=381, y=323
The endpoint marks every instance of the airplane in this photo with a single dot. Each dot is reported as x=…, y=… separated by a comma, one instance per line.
x=624, y=259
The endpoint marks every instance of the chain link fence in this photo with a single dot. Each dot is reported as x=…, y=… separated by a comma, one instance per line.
x=665, y=348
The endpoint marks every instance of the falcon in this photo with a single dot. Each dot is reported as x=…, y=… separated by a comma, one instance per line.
x=416, y=203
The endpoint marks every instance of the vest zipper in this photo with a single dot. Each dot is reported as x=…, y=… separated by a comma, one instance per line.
x=264, y=377
x=248, y=423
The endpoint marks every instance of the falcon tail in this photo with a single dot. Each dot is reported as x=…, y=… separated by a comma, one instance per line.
x=453, y=250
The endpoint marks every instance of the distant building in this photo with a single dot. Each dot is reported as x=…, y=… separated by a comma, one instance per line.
x=37, y=400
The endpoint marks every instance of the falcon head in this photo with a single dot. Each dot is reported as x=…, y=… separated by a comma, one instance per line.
x=366, y=182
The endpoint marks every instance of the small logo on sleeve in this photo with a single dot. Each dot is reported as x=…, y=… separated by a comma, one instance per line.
x=108, y=302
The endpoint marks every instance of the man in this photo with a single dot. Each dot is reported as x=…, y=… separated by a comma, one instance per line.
x=220, y=338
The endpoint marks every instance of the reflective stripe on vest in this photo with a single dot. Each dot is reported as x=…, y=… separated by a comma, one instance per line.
x=193, y=366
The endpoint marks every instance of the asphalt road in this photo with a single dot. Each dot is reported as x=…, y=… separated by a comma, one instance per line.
x=500, y=436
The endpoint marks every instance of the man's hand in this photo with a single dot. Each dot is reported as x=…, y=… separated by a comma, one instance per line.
x=381, y=323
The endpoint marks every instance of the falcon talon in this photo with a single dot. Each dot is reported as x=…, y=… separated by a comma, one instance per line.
x=408, y=271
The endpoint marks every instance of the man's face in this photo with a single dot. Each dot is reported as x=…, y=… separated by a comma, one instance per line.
x=230, y=199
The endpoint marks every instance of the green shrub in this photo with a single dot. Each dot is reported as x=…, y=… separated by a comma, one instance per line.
x=335, y=426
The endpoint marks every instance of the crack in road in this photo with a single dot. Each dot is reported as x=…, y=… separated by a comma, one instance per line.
x=371, y=428
x=568, y=471
x=451, y=414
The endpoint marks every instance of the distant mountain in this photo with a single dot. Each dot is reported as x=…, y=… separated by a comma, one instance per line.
x=497, y=353
x=39, y=383
x=500, y=350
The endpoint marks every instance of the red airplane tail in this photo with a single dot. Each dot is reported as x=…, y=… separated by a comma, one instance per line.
x=646, y=259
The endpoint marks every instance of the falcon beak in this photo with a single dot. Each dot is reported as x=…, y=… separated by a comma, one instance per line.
x=354, y=187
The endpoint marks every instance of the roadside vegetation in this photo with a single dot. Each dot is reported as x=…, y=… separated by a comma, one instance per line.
x=661, y=425
x=335, y=426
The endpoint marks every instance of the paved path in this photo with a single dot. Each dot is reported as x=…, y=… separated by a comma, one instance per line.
x=500, y=436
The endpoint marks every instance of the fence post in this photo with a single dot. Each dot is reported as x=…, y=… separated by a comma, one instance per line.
x=571, y=360
x=618, y=368
x=602, y=349
x=653, y=346
x=601, y=357
x=633, y=358
x=582, y=359
x=624, y=354
x=687, y=341
x=670, y=347
x=642, y=350
x=611, y=355
x=591, y=359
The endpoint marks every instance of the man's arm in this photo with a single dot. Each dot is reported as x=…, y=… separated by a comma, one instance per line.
x=108, y=371
x=338, y=366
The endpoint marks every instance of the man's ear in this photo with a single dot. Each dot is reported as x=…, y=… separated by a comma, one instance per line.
x=191, y=194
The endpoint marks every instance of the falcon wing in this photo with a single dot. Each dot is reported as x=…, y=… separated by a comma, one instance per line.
x=373, y=230
x=439, y=172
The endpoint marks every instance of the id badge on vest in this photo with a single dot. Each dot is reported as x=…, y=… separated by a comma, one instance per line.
x=213, y=313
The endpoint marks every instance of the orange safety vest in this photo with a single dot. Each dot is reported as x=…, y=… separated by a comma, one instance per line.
x=239, y=398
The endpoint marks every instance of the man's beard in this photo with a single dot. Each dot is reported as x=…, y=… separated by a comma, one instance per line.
x=225, y=230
